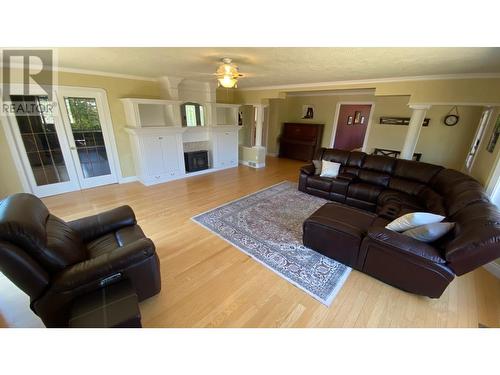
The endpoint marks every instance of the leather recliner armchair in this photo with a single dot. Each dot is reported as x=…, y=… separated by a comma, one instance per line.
x=54, y=262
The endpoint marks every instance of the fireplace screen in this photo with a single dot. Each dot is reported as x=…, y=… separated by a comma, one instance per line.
x=196, y=160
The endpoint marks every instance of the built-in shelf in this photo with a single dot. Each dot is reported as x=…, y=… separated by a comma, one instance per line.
x=158, y=137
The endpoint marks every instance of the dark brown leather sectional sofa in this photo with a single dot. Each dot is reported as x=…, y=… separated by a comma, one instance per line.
x=54, y=262
x=370, y=191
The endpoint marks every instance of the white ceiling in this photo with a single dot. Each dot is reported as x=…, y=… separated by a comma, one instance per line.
x=282, y=66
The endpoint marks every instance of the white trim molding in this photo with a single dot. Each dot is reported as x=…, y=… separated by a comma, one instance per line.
x=376, y=80
x=493, y=268
x=128, y=179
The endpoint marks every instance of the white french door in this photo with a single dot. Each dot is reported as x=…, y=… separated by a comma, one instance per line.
x=67, y=148
x=84, y=116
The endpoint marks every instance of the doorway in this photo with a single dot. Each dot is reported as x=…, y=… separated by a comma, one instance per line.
x=69, y=147
x=478, y=137
x=351, y=126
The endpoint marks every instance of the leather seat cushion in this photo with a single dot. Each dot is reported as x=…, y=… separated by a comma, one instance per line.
x=112, y=241
x=365, y=192
x=320, y=183
x=64, y=246
x=403, y=199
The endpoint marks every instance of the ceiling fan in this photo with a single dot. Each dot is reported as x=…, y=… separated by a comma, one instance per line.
x=228, y=73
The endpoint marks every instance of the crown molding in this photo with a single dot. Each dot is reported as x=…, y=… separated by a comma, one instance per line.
x=332, y=93
x=93, y=72
x=375, y=80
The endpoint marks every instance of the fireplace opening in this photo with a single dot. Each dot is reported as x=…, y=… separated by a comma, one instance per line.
x=196, y=160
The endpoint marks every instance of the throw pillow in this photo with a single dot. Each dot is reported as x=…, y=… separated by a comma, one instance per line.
x=429, y=232
x=329, y=169
x=317, y=165
x=413, y=220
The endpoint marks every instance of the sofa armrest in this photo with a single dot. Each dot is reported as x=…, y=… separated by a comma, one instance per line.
x=91, y=227
x=308, y=169
x=105, y=265
x=404, y=245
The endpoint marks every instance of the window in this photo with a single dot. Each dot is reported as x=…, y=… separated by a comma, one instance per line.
x=192, y=114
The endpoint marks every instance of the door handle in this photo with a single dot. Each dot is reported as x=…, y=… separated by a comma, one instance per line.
x=73, y=148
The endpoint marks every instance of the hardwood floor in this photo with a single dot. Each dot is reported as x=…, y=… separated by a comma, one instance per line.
x=206, y=282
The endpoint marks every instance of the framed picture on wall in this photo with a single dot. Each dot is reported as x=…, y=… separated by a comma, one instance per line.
x=308, y=112
x=494, y=136
x=357, y=117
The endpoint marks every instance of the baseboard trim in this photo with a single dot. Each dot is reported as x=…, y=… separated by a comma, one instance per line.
x=126, y=180
x=252, y=164
x=493, y=268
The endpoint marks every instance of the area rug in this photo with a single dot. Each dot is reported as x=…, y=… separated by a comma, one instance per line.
x=267, y=225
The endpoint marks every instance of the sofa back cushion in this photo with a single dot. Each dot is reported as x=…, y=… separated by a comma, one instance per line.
x=416, y=171
x=379, y=163
x=337, y=156
x=476, y=238
x=406, y=186
x=447, y=179
x=355, y=159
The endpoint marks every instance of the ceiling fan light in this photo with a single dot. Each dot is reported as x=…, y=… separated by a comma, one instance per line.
x=227, y=81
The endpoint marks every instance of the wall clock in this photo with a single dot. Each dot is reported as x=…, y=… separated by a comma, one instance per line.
x=451, y=120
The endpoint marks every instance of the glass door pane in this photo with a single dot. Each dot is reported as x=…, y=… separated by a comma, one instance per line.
x=39, y=136
x=87, y=132
x=45, y=153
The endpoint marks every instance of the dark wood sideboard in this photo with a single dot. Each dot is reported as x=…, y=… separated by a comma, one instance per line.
x=300, y=141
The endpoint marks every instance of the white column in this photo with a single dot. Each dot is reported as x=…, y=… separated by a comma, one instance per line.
x=416, y=121
x=259, y=124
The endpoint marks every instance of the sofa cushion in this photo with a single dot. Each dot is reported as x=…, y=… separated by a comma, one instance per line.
x=433, y=201
x=320, y=183
x=416, y=170
x=374, y=177
x=401, y=198
x=112, y=241
x=379, y=163
x=63, y=244
x=406, y=186
x=446, y=179
x=365, y=192
x=337, y=156
x=355, y=159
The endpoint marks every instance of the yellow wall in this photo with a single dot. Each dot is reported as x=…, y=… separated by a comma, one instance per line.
x=450, y=154
x=464, y=91
x=116, y=88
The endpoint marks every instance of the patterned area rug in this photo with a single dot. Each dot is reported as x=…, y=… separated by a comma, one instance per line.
x=267, y=225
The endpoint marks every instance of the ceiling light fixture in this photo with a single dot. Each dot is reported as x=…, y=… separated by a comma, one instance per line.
x=228, y=74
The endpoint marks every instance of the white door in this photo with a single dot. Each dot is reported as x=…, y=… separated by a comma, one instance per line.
x=89, y=132
x=43, y=147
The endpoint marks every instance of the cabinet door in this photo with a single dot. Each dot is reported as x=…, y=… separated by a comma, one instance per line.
x=228, y=149
x=170, y=155
x=153, y=156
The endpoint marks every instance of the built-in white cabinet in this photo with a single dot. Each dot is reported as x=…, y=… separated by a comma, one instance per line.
x=225, y=146
x=158, y=154
x=158, y=137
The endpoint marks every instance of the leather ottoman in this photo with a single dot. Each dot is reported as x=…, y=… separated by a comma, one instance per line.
x=336, y=231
